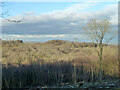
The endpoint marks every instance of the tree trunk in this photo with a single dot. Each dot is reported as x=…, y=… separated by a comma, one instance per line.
x=101, y=54
x=74, y=72
x=119, y=61
x=92, y=74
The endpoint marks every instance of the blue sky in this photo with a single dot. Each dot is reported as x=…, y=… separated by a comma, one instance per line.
x=16, y=8
x=55, y=18
x=37, y=7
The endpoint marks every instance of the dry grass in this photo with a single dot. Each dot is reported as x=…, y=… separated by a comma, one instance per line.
x=56, y=50
x=55, y=62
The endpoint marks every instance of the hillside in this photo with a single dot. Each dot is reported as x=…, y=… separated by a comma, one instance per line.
x=17, y=51
x=56, y=58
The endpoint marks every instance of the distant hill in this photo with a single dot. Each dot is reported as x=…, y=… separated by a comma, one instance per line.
x=56, y=42
x=76, y=44
x=53, y=50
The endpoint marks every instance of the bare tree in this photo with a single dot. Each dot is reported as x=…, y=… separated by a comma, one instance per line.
x=4, y=13
x=99, y=31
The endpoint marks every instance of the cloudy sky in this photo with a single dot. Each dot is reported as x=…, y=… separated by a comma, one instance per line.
x=43, y=21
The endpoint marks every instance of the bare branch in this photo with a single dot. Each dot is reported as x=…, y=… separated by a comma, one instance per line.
x=96, y=30
x=4, y=14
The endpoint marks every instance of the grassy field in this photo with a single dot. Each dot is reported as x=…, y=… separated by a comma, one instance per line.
x=56, y=58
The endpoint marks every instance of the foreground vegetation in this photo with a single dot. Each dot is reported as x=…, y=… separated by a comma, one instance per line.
x=55, y=63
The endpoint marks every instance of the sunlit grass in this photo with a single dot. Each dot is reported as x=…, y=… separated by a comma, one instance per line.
x=52, y=51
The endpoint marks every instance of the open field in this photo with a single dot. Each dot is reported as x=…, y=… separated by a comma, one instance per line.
x=55, y=62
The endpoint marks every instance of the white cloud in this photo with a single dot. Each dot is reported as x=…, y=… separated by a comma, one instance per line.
x=73, y=24
x=42, y=36
x=35, y=36
x=79, y=7
x=29, y=13
x=65, y=21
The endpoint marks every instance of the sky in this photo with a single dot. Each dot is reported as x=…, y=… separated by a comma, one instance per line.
x=43, y=21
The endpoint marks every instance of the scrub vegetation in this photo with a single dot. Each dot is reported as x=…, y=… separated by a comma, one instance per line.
x=55, y=63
